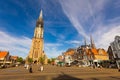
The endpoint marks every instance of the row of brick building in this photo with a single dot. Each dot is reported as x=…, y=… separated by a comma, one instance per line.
x=6, y=58
x=88, y=55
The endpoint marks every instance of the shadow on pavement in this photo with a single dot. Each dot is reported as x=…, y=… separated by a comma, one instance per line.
x=65, y=77
x=93, y=79
x=115, y=78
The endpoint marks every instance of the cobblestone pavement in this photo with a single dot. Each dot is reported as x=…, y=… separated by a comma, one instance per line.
x=59, y=73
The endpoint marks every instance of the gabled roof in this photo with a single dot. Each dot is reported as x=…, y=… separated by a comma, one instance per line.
x=3, y=54
x=14, y=57
x=71, y=52
x=94, y=51
x=102, y=52
x=60, y=57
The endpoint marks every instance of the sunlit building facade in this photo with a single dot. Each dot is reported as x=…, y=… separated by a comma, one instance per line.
x=114, y=51
x=89, y=54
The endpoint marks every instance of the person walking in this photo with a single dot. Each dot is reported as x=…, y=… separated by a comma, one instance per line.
x=94, y=66
x=30, y=68
x=27, y=66
x=41, y=68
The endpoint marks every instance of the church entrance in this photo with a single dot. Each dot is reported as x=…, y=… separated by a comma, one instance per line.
x=35, y=61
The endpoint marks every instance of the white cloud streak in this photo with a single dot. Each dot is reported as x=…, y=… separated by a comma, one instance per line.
x=82, y=12
x=71, y=10
x=52, y=49
x=107, y=36
x=15, y=45
x=20, y=46
x=73, y=42
x=79, y=12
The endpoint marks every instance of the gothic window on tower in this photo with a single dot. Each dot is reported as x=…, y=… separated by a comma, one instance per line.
x=39, y=35
x=36, y=54
x=35, y=45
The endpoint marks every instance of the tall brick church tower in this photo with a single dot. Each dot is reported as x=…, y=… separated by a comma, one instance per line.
x=37, y=47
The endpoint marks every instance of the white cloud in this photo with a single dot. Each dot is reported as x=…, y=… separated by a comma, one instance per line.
x=78, y=12
x=20, y=46
x=52, y=45
x=15, y=45
x=73, y=42
x=91, y=13
x=71, y=10
x=107, y=36
x=114, y=20
x=52, y=49
x=83, y=11
x=53, y=52
x=117, y=4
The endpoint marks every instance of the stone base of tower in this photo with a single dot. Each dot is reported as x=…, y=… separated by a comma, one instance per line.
x=37, y=60
x=46, y=61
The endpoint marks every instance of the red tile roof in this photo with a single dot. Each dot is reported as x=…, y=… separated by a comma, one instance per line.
x=3, y=54
x=94, y=51
x=14, y=57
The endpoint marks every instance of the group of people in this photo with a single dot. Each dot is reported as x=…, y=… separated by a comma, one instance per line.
x=96, y=65
x=29, y=67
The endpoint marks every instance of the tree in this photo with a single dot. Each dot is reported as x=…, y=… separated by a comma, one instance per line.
x=49, y=61
x=53, y=59
x=42, y=59
x=30, y=60
x=20, y=59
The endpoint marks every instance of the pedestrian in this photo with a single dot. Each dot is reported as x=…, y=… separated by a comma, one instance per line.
x=30, y=68
x=93, y=66
x=27, y=66
x=41, y=68
x=118, y=69
x=100, y=66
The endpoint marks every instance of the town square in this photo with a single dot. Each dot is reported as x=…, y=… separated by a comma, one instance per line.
x=59, y=40
x=59, y=73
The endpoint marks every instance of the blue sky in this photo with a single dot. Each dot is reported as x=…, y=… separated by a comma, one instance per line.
x=66, y=24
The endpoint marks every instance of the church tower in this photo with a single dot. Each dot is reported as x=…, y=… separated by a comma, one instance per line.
x=37, y=47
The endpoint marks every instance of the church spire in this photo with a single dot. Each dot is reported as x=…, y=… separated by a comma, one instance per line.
x=85, y=41
x=92, y=42
x=41, y=15
x=40, y=22
x=38, y=33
